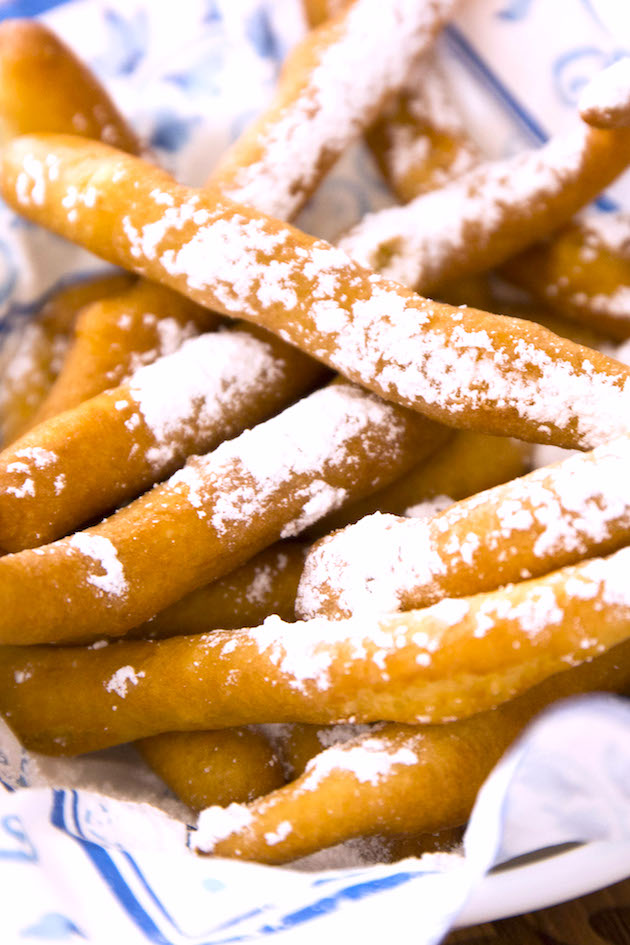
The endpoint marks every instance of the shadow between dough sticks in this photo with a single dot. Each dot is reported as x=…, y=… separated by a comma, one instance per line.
x=449, y=661
x=427, y=777
x=496, y=374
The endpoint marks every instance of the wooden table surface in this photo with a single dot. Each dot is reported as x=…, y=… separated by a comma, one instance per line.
x=602, y=918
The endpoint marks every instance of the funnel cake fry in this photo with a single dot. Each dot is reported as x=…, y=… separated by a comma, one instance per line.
x=449, y=661
x=320, y=107
x=583, y=273
x=393, y=779
x=114, y=336
x=460, y=366
x=490, y=213
x=552, y=517
x=219, y=767
x=45, y=87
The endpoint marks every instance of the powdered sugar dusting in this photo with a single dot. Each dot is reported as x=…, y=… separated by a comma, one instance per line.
x=191, y=389
x=103, y=553
x=415, y=244
x=554, y=514
x=122, y=679
x=605, y=102
x=216, y=823
x=370, y=761
x=378, y=41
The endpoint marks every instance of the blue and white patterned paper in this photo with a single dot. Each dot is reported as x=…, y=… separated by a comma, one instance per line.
x=78, y=866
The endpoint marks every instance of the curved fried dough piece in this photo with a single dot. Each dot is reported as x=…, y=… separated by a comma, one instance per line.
x=583, y=273
x=92, y=458
x=605, y=102
x=244, y=598
x=31, y=358
x=319, y=107
x=211, y=516
x=397, y=778
x=452, y=660
x=419, y=141
x=220, y=767
x=115, y=336
x=490, y=213
x=552, y=517
x=463, y=367
x=45, y=87
x=466, y=464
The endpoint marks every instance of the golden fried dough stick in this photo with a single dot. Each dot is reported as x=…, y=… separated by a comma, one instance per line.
x=552, y=517
x=319, y=107
x=217, y=512
x=31, y=358
x=492, y=212
x=583, y=272
x=45, y=87
x=605, y=102
x=115, y=336
x=113, y=447
x=395, y=778
x=244, y=598
x=466, y=464
x=451, y=660
x=217, y=767
x=419, y=141
x=460, y=366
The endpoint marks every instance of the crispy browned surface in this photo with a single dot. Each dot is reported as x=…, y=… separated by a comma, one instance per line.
x=577, y=279
x=44, y=343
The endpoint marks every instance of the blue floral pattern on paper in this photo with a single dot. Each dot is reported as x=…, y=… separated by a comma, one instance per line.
x=515, y=10
x=574, y=68
x=127, y=42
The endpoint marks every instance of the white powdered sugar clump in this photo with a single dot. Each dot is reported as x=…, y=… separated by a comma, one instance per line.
x=304, y=655
x=366, y=567
x=281, y=832
x=606, y=99
x=378, y=42
x=424, y=235
x=320, y=499
x=194, y=388
x=369, y=761
x=122, y=679
x=216, y=823
x=28, y=459
x=103, y=553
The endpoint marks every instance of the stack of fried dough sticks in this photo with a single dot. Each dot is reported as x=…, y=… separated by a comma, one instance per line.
x=244, y=383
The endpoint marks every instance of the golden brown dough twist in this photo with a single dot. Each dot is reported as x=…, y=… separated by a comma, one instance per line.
x=396, y=778
x=460, y=366
x=449, y=661
x=554, y=516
